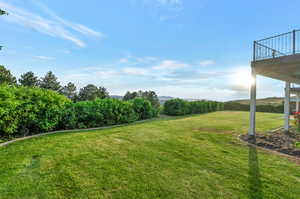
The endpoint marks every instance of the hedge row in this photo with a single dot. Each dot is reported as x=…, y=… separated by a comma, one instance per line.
x=181, y=107
x=268, y=108
x=25, y=111
x=105, y=112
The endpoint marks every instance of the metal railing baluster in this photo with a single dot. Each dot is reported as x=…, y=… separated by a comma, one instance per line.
x=277, y=46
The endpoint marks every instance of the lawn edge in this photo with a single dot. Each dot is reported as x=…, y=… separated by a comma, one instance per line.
x=75, y=130
x=162, y=117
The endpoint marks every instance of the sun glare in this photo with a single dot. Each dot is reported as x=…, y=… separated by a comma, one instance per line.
x=243, y=78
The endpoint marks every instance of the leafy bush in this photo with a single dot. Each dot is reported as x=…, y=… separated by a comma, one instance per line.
x=182, y=107
x=176, y=107
x=297, y=145
x=25, y=110
x=97, y=113
x=268, y=108
x=144, y=108
x=297, y=119
x=151, y=96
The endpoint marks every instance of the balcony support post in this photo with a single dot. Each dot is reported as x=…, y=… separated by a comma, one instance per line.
x=252, y=103
x=287, y=106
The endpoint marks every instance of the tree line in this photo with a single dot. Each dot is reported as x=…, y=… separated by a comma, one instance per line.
x=88, y=93
x=50, y=81
x=2, y=12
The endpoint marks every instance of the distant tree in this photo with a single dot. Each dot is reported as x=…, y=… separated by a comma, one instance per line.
x=129, y=96
x=29, y=79
x=2, y=12
x=50, y=82
x=70, y=91
x=103, y=93
x=91, y=92
x=149, y=95
x=6, y=77
x=152, y=97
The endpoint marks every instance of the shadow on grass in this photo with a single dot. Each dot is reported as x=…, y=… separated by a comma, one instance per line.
x=255, y=184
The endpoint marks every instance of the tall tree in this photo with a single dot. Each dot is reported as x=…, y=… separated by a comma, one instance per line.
x=2, y=12
x=69, y=91
x=6, y=77
x=102, y=93
x=50, y=82
x=29, y=79
x=149, y=95
x=130, y=96
x=91, y=92
x=152, y=97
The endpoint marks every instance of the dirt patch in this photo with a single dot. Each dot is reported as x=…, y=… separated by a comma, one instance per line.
x=279, y=140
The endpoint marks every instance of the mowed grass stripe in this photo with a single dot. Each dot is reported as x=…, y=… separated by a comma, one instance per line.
x=185, y=157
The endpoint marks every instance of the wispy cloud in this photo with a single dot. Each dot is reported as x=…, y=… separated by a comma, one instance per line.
x=133, y=60
x=44, y=57
x=170, y=65
x=135, y=71
x=163, y=9
x=172, y=77
x=205, y=63
x=64, y=51
x=166, y=2
x=53, y=25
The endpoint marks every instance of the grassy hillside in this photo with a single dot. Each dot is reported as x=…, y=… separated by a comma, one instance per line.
x=184, y=157
x=265, y=101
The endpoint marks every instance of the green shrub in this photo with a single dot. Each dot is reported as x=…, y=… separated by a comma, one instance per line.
x=97, y=113
x=176, y=107
x=182, y=107
x=143, y=108
x=25, y=110
x=9, y=112
x=268, y=108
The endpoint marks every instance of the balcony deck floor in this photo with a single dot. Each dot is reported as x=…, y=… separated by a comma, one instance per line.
x=286, y=68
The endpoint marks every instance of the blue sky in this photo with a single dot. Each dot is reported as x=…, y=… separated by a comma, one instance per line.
x=181, y=48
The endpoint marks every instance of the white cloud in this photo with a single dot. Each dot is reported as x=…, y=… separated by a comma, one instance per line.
x=134, y=60
x=163, y=9
x=65, y=51
x=124, y=60
x=207, y=63
x=174, y=78
x=170, y=65
x=78, y=27
x=53, y=25
x=44, y=57
x=135, y=71
x=165, y=2
x=107, y=74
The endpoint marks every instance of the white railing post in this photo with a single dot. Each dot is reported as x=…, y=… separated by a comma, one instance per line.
x=294, y=42
x=252, y=103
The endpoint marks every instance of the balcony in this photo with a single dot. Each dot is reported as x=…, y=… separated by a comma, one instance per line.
x=278, y=57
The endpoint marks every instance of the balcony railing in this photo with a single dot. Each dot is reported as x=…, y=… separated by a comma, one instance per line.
x=277, y=46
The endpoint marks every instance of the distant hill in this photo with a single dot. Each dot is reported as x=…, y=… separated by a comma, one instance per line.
x=264, y=101
x=162, y=99
x=117, y=97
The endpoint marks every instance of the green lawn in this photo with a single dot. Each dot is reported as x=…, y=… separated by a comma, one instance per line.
x=185, y=157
